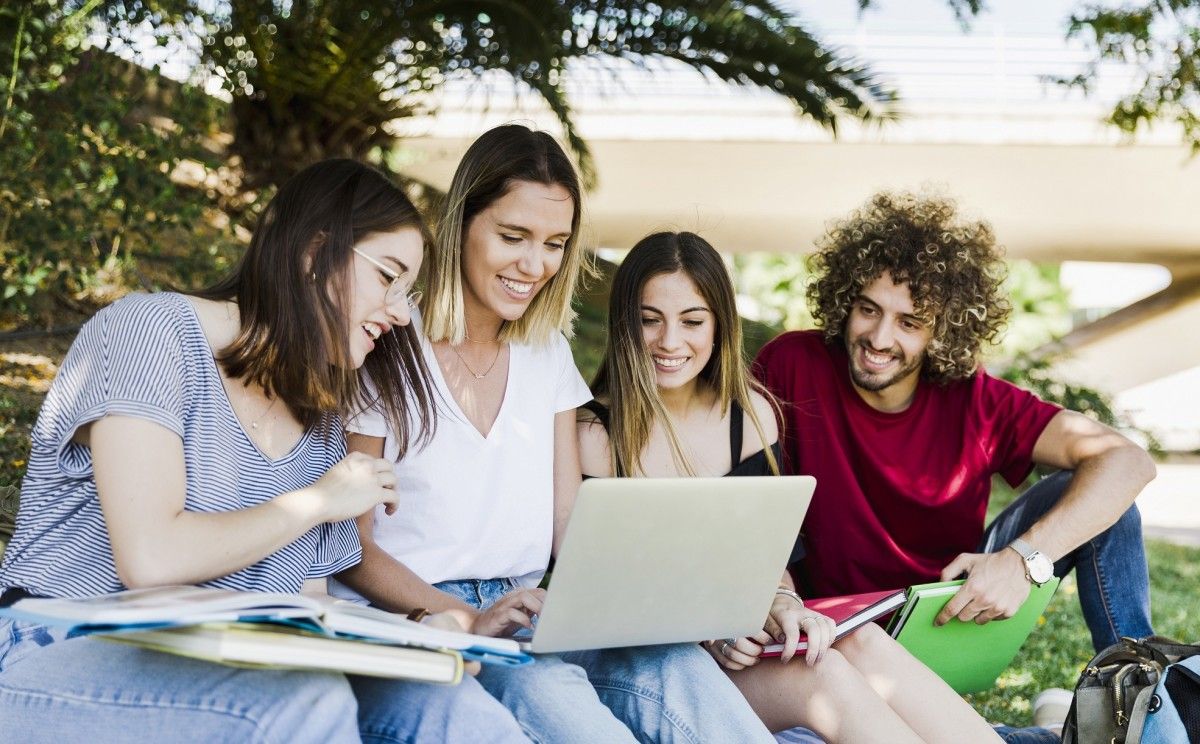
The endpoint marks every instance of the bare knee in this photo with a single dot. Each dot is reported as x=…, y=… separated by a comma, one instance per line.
x=833, y=671
x=867, y=641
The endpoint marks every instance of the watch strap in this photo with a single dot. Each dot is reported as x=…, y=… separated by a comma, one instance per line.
x=1023, y=548
x=1029, y=556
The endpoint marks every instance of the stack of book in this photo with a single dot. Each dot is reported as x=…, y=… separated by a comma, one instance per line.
x=970, y=657
x=967, y=656
x=278, y=631
x=849, y=613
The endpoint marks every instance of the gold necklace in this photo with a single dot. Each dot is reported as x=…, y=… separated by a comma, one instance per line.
x=246, y=397
x=476, y=375
x=490, y=341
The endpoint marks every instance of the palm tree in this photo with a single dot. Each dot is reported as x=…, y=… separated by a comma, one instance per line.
x=319, y=78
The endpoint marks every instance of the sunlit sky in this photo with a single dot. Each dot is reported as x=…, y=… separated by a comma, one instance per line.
x=936, y=16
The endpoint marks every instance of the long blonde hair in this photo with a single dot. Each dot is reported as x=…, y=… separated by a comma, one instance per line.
x=626, y=380
x=491, y=166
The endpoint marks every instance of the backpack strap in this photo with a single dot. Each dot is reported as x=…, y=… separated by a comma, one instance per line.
x=1172, y=649
x=1137, y=717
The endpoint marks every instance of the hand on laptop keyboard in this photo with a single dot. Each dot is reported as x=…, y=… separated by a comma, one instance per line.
x=510, y=613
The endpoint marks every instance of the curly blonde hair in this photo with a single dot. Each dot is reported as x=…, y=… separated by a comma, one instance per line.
x=953, y=268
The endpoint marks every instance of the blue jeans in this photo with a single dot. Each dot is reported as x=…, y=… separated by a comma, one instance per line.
x=1009, y=734
x=1110, y=569
x=672, y=693
x=1031, y=735
x=90, y=691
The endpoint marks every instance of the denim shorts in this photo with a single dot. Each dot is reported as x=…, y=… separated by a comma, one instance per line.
x=479, y=593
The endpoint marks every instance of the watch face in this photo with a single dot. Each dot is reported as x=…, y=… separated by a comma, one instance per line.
x=1040, y=568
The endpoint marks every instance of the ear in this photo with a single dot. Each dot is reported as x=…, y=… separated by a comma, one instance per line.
x=310, y=254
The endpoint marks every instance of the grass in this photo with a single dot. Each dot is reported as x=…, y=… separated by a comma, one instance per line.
x=1060, y=646
x=1052, y=657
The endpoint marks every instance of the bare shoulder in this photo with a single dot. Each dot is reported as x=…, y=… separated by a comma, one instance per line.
x=765, y=412
x=219, y=320
x=207, y=310
x=594, y=457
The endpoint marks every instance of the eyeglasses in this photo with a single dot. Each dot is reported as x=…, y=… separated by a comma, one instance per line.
x=395, y=290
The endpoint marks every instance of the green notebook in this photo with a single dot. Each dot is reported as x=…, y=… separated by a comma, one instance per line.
x=967, y=656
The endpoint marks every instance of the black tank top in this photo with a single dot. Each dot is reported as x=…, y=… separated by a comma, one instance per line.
x=755, y=464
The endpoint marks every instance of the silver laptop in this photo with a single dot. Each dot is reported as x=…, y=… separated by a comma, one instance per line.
x=670, y=560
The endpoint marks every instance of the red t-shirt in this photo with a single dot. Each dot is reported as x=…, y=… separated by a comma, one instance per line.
x=899, y=495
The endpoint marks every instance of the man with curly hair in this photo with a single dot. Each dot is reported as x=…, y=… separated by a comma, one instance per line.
x=888, y=406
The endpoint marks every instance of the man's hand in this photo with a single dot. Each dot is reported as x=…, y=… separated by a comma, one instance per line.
x=996, y=587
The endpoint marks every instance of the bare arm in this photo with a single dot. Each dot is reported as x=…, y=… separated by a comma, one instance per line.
x=594, y=457
x=141, y=481
x=386, y=581
x=1110, y=471
x=390, y=584
x=765, y=414
x=566, y=472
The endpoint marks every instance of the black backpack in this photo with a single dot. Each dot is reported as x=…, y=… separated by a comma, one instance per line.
x=1138, y=692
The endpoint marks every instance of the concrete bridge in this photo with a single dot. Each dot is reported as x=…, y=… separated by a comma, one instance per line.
x=674, y=150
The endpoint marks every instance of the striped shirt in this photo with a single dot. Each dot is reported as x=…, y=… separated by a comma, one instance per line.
x=146, y=356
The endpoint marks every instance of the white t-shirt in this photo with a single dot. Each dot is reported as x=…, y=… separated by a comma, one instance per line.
x=473, y=507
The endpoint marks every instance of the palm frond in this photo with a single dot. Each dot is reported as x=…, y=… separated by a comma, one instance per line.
x=315, y=78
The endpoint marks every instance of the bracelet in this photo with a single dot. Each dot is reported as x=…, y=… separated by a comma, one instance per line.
x=418, y=614
x=789, y=593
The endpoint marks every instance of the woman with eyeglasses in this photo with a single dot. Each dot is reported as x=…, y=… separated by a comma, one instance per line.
x=197, y=439
x=673, y=398
x=486, y=501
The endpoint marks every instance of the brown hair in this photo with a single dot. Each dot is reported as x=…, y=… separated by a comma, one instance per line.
x=626, y=381
x=952, y=267
x=491, y=166
x=292, y=289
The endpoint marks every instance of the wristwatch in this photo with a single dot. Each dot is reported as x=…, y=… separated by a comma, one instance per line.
x=1038, y=568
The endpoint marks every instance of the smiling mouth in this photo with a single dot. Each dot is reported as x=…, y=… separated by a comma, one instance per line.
x=517, y=288
x=373, y=330
x=875, y=360
x=672, y=363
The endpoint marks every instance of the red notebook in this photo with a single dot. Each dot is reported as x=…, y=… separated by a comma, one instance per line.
x=849, y=612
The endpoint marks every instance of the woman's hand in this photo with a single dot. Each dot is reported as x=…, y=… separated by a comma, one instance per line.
x=354, y=486
x=789, y=618
x=514, y=610
x=449, y=621
x=735, y=654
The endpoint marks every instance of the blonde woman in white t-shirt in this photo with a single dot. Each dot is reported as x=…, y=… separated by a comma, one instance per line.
x=485, y=503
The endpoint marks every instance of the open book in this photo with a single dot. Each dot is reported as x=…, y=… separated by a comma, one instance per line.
x=969, y=657
x=171, y=607
x=848, y=612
